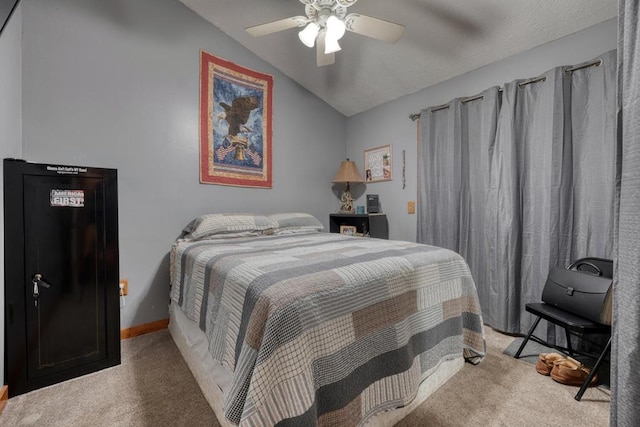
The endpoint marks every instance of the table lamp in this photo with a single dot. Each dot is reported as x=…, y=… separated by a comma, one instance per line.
x=347, y=173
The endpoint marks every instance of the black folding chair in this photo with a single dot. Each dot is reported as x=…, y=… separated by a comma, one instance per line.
x=571, y=322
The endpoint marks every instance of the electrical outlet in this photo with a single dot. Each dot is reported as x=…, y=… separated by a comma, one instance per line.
x=124, y=285
x=411, y=207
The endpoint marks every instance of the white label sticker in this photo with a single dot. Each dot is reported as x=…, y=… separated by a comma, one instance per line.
x=67, y=170
x=70, y=198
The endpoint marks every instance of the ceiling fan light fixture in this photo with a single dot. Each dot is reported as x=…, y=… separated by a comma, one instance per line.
x=331, y=45
x=326, y=22
x=335, y=28
x=309, y=34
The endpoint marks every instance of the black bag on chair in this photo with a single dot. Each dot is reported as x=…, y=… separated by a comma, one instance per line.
x=583, y=294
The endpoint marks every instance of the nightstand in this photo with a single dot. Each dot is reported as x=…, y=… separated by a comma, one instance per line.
x=375, y=224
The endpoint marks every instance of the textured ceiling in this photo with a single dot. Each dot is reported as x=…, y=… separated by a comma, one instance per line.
x=443, y=39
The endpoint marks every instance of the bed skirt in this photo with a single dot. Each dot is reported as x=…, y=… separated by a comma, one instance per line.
x=213, y=378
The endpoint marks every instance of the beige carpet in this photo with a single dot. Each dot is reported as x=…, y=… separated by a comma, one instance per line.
x=153, y=387
x=503, y=391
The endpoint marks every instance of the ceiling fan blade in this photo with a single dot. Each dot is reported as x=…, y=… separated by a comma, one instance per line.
x=275, y=26
x=323, y=58
x=375, y=28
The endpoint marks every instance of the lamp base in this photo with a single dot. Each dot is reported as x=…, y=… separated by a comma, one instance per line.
x=346, y=201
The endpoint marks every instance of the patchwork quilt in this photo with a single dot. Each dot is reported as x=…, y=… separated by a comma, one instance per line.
x=325, y=329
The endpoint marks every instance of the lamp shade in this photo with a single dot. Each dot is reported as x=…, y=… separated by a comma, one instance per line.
x=309, y=34
x=348, y=172
x=331, y=45
x=335, y=28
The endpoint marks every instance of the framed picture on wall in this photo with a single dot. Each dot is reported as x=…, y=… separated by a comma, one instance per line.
x=377, y=164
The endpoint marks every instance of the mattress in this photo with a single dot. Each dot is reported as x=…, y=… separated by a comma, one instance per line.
x=318, y=328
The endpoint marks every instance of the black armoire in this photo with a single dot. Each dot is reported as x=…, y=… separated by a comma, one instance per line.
x=62, y=315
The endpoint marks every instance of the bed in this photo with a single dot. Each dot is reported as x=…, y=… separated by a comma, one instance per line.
x=284, y=324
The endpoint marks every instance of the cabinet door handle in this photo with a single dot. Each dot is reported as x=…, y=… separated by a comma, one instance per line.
x=38, y=281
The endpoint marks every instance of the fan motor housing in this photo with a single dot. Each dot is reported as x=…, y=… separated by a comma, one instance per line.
x=316, y=13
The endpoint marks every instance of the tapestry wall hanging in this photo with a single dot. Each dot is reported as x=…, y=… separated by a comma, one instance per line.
x=235, y=124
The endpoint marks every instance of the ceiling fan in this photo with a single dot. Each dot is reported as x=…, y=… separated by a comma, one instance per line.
x=326, y=23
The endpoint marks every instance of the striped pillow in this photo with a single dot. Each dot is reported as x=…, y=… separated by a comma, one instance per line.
x=290, y=223
x=227, y=224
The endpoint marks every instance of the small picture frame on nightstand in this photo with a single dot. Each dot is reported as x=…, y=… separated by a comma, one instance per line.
x=348, y=230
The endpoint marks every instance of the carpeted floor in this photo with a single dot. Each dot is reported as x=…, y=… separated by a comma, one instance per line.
x=153, y=387
x=503, y=391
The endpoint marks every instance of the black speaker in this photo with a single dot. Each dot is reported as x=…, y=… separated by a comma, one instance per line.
x=373, y=203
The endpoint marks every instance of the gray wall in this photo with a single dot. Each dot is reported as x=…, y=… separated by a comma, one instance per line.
x=390, y=124
x=10, y=126
x=115, y=84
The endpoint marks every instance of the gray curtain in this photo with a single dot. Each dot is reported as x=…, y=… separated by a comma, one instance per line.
x=625, y=355
x=536, y=187
x=454, y=180
x=531, y=181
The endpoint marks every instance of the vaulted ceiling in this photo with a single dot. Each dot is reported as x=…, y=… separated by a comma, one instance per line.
x=443, y=39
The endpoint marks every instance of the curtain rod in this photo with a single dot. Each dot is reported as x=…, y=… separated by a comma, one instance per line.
x=596, y=63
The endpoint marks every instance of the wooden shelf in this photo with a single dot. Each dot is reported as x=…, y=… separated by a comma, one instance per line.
x=375, y=224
